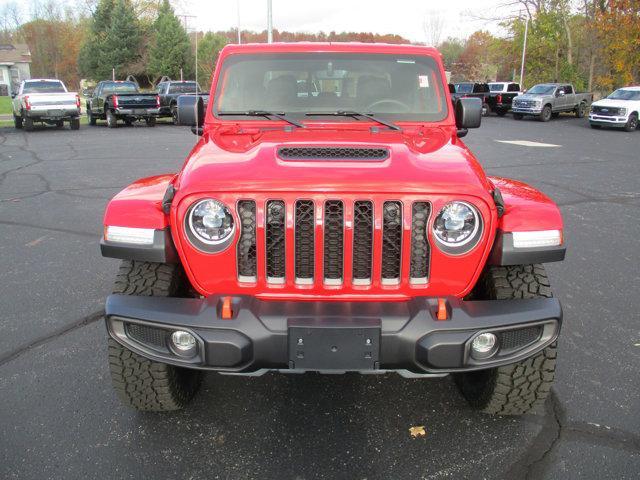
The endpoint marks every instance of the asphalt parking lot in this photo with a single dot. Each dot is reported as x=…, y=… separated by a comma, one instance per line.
x=60, y=419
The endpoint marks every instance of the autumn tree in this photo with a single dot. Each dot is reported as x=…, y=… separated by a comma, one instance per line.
x=170, y=50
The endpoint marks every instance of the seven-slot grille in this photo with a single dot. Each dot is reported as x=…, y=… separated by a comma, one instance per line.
x=328, y=229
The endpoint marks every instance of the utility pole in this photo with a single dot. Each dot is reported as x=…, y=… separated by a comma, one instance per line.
x=524, y=52
x=238, y=21
x=269, y=22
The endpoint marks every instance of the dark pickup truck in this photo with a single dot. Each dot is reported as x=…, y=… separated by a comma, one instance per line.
x=501, y=96
x=170, y=90
x=122, y=100
x=473, y=90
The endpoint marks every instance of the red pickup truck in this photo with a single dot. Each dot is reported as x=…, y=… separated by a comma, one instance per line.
x=342, y=229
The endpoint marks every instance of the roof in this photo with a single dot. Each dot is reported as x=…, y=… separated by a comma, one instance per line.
x=344, y=47
x=14, y=53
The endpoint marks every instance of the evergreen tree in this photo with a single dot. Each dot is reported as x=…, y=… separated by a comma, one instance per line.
x=122, y=43
x=90, y=57
x=170, y=49
x=209, y=47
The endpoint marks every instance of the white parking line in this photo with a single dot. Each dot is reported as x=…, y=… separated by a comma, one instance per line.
x=527, y=143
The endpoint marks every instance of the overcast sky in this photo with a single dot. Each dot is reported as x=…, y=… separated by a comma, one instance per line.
x=403, y=17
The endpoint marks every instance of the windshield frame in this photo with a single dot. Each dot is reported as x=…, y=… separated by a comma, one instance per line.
x=443, y=113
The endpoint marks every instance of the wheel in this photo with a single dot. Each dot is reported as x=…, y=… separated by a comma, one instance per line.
x=112, y=121
x=28, y=124
x=485, y=110
x=594, y=126
x=151, y=121
x=546, y=113
x=92, y=119
x=521, y=387
x=75, y=123
x=174, y=114
x=501, y=112
x=139, y=382
x=517, y=116
x=581, y=109
x=59, y=124
x=632, y=123
x=17, y=122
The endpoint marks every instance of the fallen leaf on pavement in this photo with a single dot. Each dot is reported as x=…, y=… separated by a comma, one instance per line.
x=417, y=431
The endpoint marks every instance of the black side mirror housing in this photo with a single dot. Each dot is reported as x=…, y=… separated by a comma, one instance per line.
x=468, y=114
x=190, y=111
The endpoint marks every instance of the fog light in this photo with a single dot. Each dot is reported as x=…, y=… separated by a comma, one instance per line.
x=484, y=345
x=183, y=341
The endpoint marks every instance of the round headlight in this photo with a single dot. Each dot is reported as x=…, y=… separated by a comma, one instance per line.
x=456, y=226
x=210, y=221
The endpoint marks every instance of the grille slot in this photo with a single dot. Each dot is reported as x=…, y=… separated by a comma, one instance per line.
x=149, y=336
x=391, y=242
x=247, y=259
x=333, y=241
x=275, y=241
x=420, y=254
x=333, y=153
x=305, y=242
x=362, y=242
x=520, y=338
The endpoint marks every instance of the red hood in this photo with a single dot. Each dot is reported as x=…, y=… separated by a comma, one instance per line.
x=421, y=160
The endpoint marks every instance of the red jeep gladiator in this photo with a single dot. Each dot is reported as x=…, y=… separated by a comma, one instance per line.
x=331, y=220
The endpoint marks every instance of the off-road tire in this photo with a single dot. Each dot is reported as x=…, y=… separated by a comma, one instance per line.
x=139, y=382
x=518, y=116
x=112, y=120
x=151, y=121
x=545, y=114
x=581, y=109
x=92, y=119
x=74, y=123
x=17, y=122
x=632, y=123
x=521, y=387
x=28, y=124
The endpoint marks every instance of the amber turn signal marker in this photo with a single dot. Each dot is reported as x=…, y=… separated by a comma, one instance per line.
x=442, y=309
x=227, y=311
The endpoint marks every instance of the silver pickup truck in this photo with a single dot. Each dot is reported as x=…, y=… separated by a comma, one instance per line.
x=46, y=101
x=548, y=100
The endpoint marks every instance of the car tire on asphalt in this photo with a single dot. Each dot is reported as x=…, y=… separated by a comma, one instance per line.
x=632, y=123
x=17, y=122
x=581, y=109
x=139, y=382
x=517, y=116
x=28, y=124
x=75, y=123
x=60, y=124
x=151, y=121
x=92, y=119
x=112, y=121
x=174, y=114
x=521, y=387
x=546, y=114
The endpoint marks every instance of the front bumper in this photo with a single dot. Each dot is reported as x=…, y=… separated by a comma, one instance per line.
x=406, y=337
x=608, y=121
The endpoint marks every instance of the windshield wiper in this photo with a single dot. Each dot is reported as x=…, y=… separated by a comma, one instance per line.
x=264, y=113
x=351, y=113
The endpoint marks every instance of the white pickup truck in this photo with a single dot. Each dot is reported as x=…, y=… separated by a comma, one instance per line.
x=620, y=110
x=45, y=101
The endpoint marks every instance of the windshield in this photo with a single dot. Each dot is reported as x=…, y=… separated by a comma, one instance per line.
x=397, y=87
x=464, y=87
x=185, y=87
x=43, y=87
x=623, y=94
x=119, y=87
x=542, y=89
x=496, y=87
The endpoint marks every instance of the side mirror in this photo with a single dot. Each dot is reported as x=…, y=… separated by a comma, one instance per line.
x=561, y=93
x=190, y=110
x=468, y=114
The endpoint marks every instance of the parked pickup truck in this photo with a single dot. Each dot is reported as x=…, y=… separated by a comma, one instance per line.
x=473, y=90
x=46, y=101
x=547, y=100
x=619, y=110
x=332, y=233
x=501, y=96
x=170, y=90
x=122, y=100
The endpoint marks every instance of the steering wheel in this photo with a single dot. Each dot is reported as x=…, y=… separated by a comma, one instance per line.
x=405, y=108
